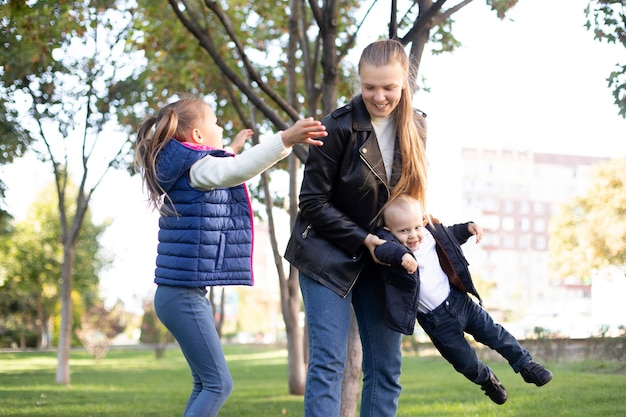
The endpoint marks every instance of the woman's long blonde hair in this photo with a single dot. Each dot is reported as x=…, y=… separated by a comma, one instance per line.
x=174, y=121
x=411, y=127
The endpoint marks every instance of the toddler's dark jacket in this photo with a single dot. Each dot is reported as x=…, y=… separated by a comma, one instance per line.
x=402, y=288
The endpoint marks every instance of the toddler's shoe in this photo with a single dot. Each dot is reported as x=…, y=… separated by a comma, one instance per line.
x=494, y=389
x=533, y=373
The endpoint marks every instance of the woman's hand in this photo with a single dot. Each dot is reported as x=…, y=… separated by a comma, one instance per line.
x=371, y=242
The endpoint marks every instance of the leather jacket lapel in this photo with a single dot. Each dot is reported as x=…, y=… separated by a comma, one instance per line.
x=370, y=153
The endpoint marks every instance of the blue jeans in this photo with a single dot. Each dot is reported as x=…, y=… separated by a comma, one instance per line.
x=187, y=314
x=447, y=324
x=328, y=323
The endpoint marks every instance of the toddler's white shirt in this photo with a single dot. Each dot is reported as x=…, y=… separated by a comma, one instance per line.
x=434, y=283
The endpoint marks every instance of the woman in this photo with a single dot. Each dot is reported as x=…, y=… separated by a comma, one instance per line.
x=375, y=147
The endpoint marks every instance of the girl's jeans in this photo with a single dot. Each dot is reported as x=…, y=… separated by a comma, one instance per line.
x=187, y=314
x=459, y=314
x=328, y=323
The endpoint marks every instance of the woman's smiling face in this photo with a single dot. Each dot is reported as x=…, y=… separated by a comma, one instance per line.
x=381, y=87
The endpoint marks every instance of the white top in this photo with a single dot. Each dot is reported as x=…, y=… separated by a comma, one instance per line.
x=215, y=172
x=386, y=135
x=434, y=283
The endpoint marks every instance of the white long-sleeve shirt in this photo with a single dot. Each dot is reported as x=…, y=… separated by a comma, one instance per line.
x=211, y=172
x=434, y=283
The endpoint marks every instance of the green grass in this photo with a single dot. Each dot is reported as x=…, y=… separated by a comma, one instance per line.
x=131, y=383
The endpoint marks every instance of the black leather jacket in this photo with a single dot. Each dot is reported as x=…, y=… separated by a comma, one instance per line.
x=343, y=188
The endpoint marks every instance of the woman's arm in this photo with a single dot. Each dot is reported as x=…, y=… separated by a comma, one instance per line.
x=318, y=190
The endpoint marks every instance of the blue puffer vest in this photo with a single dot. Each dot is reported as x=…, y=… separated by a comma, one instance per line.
x=208, y=240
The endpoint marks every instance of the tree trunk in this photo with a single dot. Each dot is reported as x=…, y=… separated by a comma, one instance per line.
x=65, y=333
x=289, y=303
x=297, y=347
x=220, y=322
x=218, y=318
x=296, y=368
x=40, y=322
x=350, y=386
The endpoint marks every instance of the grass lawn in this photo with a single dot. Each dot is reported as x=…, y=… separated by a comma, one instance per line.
x=131, y=383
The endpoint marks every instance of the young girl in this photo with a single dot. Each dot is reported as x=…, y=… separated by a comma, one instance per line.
x=205, y=235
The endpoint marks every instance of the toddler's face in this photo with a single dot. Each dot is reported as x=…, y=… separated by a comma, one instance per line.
x=406, y=225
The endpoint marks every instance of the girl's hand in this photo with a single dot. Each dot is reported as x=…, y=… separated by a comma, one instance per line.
x=304, y=131
x=240, y=139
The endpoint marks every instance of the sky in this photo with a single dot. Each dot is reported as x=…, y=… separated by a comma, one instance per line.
x=535, y=81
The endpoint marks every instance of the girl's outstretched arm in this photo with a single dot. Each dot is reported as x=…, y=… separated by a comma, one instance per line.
x=213, y=172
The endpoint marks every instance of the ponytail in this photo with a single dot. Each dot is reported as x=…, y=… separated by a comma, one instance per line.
x=174, y=121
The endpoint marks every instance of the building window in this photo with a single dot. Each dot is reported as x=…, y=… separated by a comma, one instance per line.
x=524, y=242
x=491, y=204
x=524, y=224
x=540, y=243
x=491, y=222
x=539, y=208
x=524, y=207
x=539, y=225
x=508, y=223
x=490, y=241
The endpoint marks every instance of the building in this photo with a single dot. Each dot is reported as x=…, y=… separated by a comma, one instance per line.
x=513, y=194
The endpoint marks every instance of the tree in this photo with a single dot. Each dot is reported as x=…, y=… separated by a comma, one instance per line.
x=293, y=65
x=13, y=144
x=589, y=233
x=31, y=264
x=99, y=326
x=153, y=331
x=65, y=81
x=607, y=20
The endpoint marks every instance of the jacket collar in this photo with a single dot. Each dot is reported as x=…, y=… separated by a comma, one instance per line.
x=360, y=117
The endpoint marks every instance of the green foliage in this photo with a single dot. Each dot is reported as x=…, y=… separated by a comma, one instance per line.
x=66, y=80
x=262, y=36
x=99, y=326
x=501, y=6
x=589, y=233
x=30, y=267
x=64, y=68
x=153, y=332
x=607, y=20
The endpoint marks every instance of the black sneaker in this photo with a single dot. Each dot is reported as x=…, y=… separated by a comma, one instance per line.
x=494, y=389
x=533, y=373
